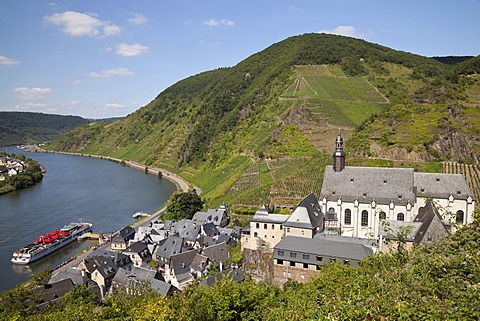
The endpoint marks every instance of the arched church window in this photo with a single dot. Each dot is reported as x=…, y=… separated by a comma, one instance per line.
x=364, y=221
x=459, y=216
x=348, y=217
x=382, y=215
x=400, y=217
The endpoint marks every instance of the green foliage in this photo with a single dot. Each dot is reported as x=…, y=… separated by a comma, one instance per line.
x=182, y=205
x=18, y=128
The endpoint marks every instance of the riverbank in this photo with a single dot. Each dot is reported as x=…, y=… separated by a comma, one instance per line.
x=180, y=183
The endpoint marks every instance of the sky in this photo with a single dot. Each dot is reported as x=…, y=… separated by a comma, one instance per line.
x=108, y=58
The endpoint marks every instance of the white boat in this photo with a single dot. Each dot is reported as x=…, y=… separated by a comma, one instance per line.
x=50, y=242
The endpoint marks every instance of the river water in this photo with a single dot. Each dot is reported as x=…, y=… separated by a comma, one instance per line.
x=74, y=189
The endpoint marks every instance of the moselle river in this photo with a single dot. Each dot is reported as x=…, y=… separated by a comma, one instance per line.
x=74, y=189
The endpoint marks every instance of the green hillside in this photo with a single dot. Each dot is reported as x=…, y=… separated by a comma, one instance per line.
x=263, y=130
x=17, y=128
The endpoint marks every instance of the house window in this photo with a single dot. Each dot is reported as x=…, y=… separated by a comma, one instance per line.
x=306, y=256
x=305, y=265
x=400, y=217
x=279, y=262
x=280, y=252
x=318, y=268
x=293, y=254
x=255, y=234
x=288, y=230
x=459, y=217
x=382, y=215
x=265, y=226
x=292, y=263
x=258, y=225
x=348, y=217
x=364, y=221
x=273, y=226
x=281, y=227
x=319, y=258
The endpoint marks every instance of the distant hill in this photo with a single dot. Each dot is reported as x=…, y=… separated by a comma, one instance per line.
x=263, y=130
x=18, y=128
x=452, y=60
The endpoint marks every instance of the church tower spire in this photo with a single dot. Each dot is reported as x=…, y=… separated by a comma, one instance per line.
x=339, y=154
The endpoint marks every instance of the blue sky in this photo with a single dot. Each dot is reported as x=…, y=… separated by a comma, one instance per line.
x=108, y=58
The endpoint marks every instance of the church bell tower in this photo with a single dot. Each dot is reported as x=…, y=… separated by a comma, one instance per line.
x=339, y=154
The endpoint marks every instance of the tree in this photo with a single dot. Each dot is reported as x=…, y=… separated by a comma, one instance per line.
x=183, y=205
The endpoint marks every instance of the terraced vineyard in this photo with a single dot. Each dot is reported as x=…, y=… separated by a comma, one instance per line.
x=330, y=101
x=470, y=172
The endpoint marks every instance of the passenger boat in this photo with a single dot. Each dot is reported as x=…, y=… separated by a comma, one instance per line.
x=50, y=242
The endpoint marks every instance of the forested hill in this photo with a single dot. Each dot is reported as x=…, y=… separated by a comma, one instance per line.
x=18, y=128
x=262, y=131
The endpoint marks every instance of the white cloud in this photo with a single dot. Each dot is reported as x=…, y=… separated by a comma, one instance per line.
x=37, y=107
x=78, y=24
x=34, y=93
x=137, y=19
x=216, y=23
x=114, y=106
x=349, y=31
x=111, y=30
x=110, y=72
x=127, y=50
x=8, y=61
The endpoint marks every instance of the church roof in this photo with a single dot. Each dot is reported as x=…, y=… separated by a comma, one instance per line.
x=442, y=185
x=384, y=185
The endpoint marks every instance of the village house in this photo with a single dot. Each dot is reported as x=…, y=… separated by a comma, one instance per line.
x=120, y=240
x=299, y=258
x=138, y=253
x=219, y=217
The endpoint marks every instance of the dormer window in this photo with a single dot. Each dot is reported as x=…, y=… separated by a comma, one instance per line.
x=385, y=181
x=422, y=189
x=438, y=179
x=399, y=196
x=459, y=192
x=351, y=179
x=364, y=194
x=333, y=192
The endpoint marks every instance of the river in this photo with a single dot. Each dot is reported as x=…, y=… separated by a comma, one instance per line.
x=74, y=189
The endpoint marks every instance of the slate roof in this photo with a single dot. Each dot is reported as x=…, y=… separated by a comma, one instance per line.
x=214, y=216
x=53, y=291
x=127, y=232
x=442, y=185
x=170, y=246
x=308, y=214
x=119, y=259
x=137, y=247
x=321, y=247
x=73, y=274
x=210, y=229
x=199, y=263
x=181, y=263
x=106, y=268
x=369, y=183
x=187, y=229
x=432, y=223
x=217, y=253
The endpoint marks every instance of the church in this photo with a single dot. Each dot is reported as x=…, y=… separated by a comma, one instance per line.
x=355, y=199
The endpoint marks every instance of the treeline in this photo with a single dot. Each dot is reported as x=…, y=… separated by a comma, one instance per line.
x=431, y=282
x=18, y=128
